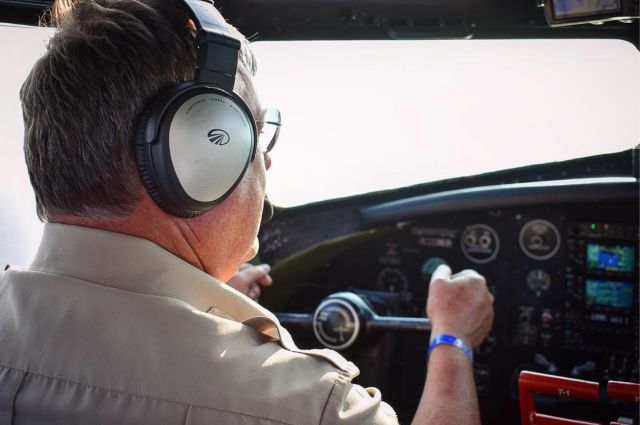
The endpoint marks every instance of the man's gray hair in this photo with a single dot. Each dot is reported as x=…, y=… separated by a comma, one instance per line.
x=82, y=99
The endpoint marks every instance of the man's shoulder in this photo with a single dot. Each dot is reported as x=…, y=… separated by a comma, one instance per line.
x=155, y=346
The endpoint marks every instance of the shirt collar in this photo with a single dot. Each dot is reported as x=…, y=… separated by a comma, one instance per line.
x=137, y=265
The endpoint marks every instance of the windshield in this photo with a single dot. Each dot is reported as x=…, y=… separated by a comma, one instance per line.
x=362, y=116
x=20, y=47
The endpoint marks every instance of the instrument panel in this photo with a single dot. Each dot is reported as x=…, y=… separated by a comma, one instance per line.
x=565, y=281
x=557, y=244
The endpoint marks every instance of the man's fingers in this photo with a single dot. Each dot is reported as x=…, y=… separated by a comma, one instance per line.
x=249, y=279
x=255, y=273
x=443, y=273
x=266, y=280
x=254, y=291
x=467, y=273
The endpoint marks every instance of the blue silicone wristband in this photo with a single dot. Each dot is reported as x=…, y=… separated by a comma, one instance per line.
x=452, y=340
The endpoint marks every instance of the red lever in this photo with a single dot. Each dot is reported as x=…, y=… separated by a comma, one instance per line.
x=540, y=419
x=626, y=391
x=532, y=382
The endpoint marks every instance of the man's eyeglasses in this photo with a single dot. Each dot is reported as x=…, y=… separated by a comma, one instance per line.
x=269, y=129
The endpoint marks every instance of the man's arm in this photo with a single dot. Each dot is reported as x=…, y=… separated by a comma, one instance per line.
x=458, y=305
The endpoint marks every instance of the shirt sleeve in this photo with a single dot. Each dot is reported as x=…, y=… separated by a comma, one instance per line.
x=349, y=404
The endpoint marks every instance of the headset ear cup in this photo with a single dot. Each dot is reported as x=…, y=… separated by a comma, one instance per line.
x=185, y=169
x=145, y=168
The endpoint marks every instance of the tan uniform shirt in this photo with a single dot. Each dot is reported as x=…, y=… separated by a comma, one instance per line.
x=105, y=328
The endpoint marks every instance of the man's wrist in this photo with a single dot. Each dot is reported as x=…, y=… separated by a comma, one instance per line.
x=451, y=340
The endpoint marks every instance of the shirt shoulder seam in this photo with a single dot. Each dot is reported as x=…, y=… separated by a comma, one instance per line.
x=333, y=387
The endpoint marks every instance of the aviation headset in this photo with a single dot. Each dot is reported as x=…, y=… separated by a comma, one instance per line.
x=194, y=142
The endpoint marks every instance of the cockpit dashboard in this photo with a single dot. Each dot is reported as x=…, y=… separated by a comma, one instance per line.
x=560, y=257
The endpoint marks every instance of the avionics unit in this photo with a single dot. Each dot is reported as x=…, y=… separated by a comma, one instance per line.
x=601, y=298
x=576, y=12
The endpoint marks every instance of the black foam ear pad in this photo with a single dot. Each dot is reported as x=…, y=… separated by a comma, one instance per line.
x=145, y=168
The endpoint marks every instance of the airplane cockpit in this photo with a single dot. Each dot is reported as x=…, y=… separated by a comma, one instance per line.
x=499, y=136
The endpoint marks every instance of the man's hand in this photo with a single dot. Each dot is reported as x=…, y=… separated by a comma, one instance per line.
x=460, y=305
x=250, y=278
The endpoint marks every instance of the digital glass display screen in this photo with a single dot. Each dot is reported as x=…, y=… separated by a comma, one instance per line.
x=566, y=9
x=611, y=258
x=608, y=293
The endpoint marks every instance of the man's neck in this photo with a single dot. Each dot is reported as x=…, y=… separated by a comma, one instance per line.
x=175, y=235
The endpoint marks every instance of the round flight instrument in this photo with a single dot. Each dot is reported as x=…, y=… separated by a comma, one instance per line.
x=392, y=280
x=539, y=239
x=480, y=243
x=336, y=324
x=538, y=281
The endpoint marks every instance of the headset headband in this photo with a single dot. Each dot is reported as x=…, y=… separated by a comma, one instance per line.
x=218, y=51
x=217, y=47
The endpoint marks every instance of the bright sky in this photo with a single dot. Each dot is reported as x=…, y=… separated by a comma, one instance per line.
x=366, y=116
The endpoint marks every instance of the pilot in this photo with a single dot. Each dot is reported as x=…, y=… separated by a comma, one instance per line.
x=147, y=165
